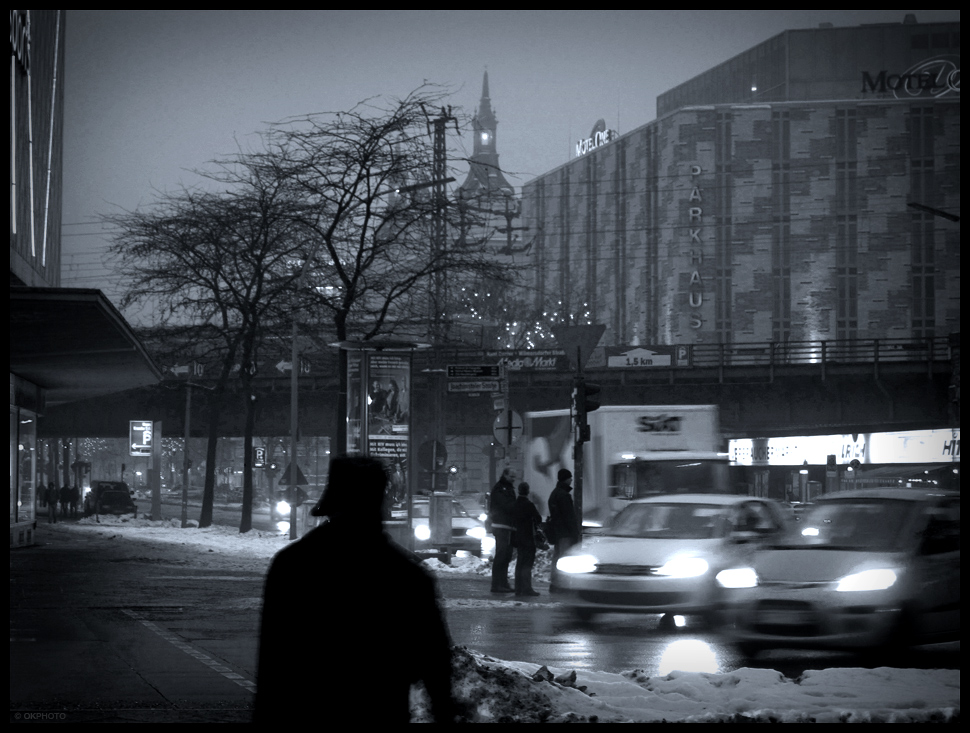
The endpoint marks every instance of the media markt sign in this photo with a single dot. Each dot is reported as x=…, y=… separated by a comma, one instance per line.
x=140, y=437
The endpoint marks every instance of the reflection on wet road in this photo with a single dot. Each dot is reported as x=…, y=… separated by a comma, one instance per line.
x=547, y=634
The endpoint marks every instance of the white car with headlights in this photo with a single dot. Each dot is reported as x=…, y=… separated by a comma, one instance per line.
x=866, y=569
x=661, y=554
x=468, y=533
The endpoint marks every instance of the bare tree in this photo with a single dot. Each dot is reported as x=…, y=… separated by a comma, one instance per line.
x=369, y=198
x=341, y=202
x=216, y=268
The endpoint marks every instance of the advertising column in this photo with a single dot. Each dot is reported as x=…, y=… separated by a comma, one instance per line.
x=388, y=415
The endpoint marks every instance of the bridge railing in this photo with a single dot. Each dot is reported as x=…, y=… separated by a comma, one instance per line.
x=840, y=351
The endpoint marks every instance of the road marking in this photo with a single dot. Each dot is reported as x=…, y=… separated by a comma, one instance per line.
x=178, y=643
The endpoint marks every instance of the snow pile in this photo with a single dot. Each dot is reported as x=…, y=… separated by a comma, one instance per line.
x=495, y=690
x=478, y=566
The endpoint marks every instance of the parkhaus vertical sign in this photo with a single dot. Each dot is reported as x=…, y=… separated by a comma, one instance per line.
x=695, y=286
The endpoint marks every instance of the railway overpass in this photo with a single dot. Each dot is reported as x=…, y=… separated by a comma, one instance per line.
x=851, y=386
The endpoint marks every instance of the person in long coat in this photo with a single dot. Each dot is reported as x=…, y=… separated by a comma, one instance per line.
x=562, y=521
x=525, y=519
x=340, y=602
x=500, y=504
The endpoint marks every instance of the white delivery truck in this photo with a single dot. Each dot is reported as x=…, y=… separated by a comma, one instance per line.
x=634, y=451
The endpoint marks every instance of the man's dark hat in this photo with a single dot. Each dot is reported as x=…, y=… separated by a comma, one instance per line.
x=355, y=486
x=564, y=474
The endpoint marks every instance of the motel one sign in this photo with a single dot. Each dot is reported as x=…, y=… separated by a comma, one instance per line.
x=598, y=137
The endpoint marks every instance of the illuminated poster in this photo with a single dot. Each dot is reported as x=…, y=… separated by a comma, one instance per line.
x=388, y=414
x=354, y=410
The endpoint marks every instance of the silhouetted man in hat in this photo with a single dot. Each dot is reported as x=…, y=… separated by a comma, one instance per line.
x=339, y=604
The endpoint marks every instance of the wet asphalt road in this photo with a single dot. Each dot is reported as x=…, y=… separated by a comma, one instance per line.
x=104, y=631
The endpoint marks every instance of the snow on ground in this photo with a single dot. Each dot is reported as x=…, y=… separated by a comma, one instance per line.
x=495, y=690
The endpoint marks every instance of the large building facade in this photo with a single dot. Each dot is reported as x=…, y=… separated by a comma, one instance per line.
x=65, y=344
x=800, y=191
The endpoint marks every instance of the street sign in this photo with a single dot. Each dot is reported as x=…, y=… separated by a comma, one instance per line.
x=473, y=385
x=583, y=338
x=646, y=357
x=507, y=427
x=140, y=437
x=473, y=371
x=285, y=480
x=259, y=457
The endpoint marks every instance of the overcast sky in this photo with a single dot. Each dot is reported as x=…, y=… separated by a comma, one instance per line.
x=152, y=94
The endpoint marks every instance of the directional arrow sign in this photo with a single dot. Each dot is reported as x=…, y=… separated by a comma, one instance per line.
x=284, y=366
x=140, y=437
x=638, y=357
x=179, y=369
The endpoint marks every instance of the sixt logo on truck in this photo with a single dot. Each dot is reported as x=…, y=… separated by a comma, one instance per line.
x=659, y=424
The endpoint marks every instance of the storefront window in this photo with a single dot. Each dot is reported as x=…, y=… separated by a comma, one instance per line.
x=23, y=463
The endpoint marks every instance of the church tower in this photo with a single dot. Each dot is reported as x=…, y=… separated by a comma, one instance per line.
x=485, y=178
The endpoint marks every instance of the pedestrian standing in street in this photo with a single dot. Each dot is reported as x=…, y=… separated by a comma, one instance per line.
x=562, y=521
x=322, y=635
x=500, y=506
x=75, y=498
x=51, y=503
x=65, y=500
x=525, y=519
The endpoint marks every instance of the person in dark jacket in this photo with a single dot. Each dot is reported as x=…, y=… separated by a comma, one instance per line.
x=525, y=519
x=51, y=497
x=562, y=521
x=322, y=638
x=75, y=498
x=500, y=505
x=65, y=496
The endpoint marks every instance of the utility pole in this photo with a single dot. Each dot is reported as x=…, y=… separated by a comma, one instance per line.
x=584, y=402
x=438, y=220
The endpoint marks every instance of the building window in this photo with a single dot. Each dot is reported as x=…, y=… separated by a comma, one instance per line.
x=922, y=190
x=922, y=274
x=781, y=227
x=847, y=278
x=847, y=230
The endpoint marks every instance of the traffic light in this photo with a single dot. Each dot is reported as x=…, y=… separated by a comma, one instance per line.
x=584, y=402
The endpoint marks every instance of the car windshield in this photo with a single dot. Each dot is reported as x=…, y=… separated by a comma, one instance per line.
x=668, y=521
x=863, y=524
x=112, y=486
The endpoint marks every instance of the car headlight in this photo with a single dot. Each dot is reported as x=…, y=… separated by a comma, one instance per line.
x=422, y=532
x=476, y=532
x=737, y=578
x=683, y=567
x=876, y=579
x=576, y=564
x=282, y=507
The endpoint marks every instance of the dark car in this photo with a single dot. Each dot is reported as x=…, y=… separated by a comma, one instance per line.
x=109, y=497
x=873, y=569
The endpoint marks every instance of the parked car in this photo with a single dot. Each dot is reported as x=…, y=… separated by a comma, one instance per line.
x=109, y=497
x=661, y=554
x=868, y=569
x=467, y=532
